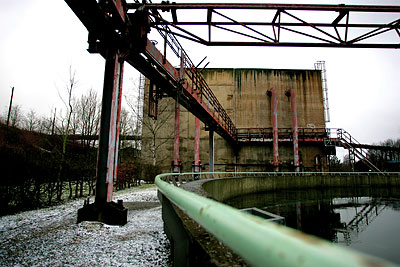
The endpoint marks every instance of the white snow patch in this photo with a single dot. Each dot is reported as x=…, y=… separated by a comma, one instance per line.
x=51, y=236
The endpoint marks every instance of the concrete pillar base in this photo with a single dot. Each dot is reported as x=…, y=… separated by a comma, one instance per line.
x=109, y=213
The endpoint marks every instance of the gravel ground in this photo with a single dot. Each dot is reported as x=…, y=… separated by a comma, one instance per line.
x=51, y=236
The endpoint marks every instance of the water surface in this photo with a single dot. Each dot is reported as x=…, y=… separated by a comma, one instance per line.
x=366, y=219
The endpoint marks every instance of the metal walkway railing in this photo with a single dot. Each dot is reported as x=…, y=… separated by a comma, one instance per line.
x=344, y=139
x=257, y=241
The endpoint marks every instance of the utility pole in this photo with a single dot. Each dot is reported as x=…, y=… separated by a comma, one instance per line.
x=54, y=121
x=9, y=108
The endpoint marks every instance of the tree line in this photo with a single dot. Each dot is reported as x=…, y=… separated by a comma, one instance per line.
x=387, y=159
x=44, y=165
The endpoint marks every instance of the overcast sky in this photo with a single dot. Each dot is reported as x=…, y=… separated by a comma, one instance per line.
x=41, y=39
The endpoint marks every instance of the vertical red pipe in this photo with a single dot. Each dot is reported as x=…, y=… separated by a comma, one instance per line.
x=211, y=151
x=295, y=130
x=196, y=145
x=176, y=164
x=274, y=113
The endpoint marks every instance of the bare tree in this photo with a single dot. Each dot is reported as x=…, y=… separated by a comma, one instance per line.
x=68, y=102
x=89, y=113
x=158, y=131
x=31, y=122
x=135, y=103
x=155, y=132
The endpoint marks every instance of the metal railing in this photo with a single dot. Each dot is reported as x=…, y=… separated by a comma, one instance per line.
x=257, y=241
x=285, y=134
x=353, y=146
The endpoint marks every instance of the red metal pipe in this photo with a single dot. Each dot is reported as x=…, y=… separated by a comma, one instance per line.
x=211, y=151
x=196, y=145
x=275, y=137
x=176, y=162
x=295, y=129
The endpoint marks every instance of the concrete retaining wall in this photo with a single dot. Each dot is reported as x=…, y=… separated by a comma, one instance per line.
x=223, y=189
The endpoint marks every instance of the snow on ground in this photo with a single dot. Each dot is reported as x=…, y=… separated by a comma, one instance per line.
x=51, y=236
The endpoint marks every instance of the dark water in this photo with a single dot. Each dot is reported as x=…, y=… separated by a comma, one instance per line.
x=366, y=219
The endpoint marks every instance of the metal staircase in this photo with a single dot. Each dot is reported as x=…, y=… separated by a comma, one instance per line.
x=355, y=148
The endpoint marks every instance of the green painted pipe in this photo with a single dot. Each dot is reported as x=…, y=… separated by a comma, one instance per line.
x=259, y=242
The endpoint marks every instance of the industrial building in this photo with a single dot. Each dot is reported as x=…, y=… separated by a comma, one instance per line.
x=279, y=117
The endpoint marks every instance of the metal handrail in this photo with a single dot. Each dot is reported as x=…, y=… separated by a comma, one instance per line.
x=257, y=241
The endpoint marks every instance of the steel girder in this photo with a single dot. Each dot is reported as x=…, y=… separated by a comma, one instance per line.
x=293, y=20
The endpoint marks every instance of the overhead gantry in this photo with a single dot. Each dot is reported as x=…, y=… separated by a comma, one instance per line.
x=119, y=32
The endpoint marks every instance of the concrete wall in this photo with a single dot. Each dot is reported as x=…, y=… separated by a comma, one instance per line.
x=226, y=188
x=243, y=94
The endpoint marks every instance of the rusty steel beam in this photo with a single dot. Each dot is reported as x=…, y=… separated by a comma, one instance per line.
x=211, y=151
x=314, y=31
x=117, y=105
x=109, y=128
x=196, y=162
x=264, y=141
x=310, y=7
x=301, y=44
x=196, y=96
x=153, y=100
x=293, y=106
x=176, y=163
x=119, y=9
x=287, y=24
x=275, y=138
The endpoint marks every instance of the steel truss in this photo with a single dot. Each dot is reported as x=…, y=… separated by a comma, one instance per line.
x=333, y=28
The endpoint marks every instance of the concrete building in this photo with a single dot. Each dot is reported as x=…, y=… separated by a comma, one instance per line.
x=247, y=95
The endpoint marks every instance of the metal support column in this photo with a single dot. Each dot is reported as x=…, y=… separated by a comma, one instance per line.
x=108, y=129
x=196, y=162
x=211, y=150
x=117, y=122
x=274, y=112
x=176, y=163
x=104, y=209
x=290, y=93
